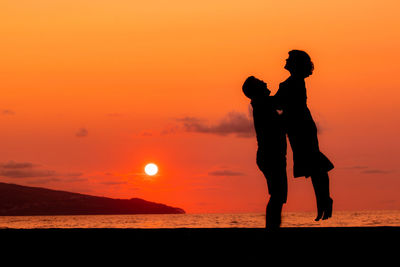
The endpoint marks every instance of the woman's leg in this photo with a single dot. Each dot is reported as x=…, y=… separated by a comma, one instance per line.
x=320, y=183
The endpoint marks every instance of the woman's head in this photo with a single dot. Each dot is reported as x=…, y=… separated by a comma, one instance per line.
x=254, y=88
x=299, y=63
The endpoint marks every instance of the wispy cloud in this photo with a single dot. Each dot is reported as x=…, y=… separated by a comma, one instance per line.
x=146, y=134
x=236, y=123
x=363, y=169
x=26, y=173
x=17, y=165
x=7, y=112
x=14, y=169
x=113, y=182
x=43, y=181
x=74, y=174
x=355, y=167
x=82, y=132
x=36, y=174
x=225, y=173
x=376, y=171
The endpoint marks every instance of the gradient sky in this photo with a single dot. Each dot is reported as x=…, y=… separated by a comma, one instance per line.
x=91, y=91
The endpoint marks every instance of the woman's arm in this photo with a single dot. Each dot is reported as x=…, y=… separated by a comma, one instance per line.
x=277, y=100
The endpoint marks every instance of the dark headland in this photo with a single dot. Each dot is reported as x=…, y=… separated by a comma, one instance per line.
x=17, y=200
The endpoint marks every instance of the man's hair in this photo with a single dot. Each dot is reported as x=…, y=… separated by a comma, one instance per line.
x=248, y=87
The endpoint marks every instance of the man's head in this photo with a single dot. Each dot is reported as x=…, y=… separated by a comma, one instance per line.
x=253, y=88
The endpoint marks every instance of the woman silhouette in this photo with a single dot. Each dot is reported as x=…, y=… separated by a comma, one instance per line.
x=301, y=130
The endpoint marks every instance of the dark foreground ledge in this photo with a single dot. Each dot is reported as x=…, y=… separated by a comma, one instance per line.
x=226, y=244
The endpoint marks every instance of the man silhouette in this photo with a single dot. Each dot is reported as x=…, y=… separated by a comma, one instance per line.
x=271, y=153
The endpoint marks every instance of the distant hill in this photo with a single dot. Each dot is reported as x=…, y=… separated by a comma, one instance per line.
x=16, y=200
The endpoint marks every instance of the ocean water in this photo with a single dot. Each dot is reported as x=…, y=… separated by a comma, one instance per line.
x=242, y=220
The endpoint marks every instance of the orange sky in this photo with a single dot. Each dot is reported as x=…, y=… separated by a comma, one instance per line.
x=90, y=91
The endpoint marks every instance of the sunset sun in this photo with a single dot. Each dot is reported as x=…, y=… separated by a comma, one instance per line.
x=151, y=169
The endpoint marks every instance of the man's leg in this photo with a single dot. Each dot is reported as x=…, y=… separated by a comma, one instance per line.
x=277, y=187
x=273, y=213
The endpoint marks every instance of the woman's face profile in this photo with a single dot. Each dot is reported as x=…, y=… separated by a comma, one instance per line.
x=289, y=62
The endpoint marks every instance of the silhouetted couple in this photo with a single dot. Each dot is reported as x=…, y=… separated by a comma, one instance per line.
x=286, y=113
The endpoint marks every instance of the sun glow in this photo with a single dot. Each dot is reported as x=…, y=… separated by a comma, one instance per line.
x=151, y=169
